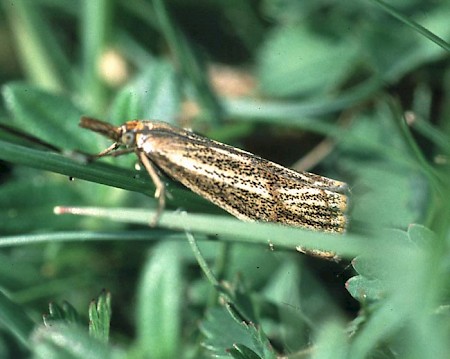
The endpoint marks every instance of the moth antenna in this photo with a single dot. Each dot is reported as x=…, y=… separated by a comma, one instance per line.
x=104, y=128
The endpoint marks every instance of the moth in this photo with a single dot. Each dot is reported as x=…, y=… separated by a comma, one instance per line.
x=247, y=186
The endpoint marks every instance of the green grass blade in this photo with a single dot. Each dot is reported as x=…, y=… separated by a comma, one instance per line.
x=15, y=320
x=417, y=27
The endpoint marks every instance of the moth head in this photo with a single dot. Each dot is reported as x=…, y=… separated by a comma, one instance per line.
x=128, y=138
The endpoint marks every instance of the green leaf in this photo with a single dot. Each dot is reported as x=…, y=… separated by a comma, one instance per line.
x=60, y=341
x=371, y=265
x=49, y=117
x=388, y=191
x=240, y=351
x=100, y=317
x=160, y=91
x=389, y=188
x=409, y=280
x=376, y=269
x=295, y=61
x=64, y=314
x=381, y=273
x=364, y=289
x=126, y=106
x=160, y=303
x=331, y=342
x=295, y=311
x=421, y=235
x=223, y=332
x=153, y=95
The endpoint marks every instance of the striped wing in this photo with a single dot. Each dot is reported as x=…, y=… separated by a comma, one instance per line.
x=245, y=185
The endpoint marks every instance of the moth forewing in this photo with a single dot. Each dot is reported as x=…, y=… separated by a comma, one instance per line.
x=246, y=185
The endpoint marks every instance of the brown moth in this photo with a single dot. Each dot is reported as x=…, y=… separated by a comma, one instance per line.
x=247, y=186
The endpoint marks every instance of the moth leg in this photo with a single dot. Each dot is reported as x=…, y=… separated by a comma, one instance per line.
x=160, y=192
x=107, y=151
x=111, y=151
x=120, y=152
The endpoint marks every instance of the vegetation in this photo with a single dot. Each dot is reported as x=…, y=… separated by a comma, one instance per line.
x=357, y=91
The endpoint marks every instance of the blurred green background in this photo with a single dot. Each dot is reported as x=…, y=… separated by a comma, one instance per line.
x=357, y=91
